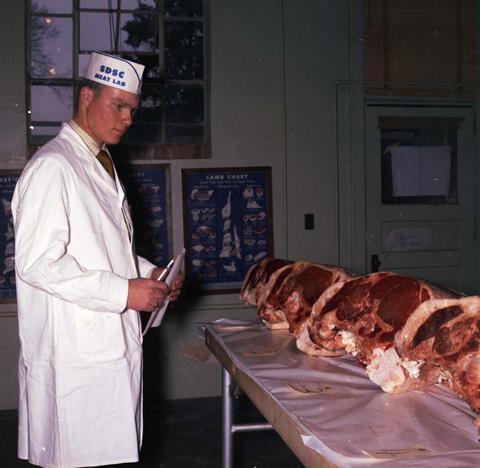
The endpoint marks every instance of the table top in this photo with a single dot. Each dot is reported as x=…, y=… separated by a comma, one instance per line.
x=330, y=413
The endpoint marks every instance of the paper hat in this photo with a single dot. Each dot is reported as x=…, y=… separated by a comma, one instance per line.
x=116, y=72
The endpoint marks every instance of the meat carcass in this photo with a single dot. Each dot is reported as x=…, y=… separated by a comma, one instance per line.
x=295, y=290
x=268, y=304
x=300, y=290
x=258, y=276
x=362, y=317
x=445, y=334
x=321, y=337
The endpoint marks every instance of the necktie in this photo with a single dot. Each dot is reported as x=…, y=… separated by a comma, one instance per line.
x=106, y=162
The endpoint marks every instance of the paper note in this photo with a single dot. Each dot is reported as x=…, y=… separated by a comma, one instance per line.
x=404, y=452
x=311, y=387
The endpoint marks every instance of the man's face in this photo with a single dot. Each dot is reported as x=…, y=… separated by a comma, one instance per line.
x=109, y=113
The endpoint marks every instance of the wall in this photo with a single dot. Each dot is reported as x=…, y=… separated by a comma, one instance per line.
x=8, y=361
x=323, y=45
x=13, y=147
x=274, y=65
x=12, y=103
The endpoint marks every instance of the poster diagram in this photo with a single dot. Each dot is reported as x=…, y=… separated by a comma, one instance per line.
x=146, y=188
x=228, y=225
x=8, y=180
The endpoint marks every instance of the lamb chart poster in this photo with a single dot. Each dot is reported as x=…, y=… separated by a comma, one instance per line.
x=228, y=225
x=147, y=188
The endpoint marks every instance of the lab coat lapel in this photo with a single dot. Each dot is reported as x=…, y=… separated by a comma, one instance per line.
x=112, y=189
x=95, y=169
x=122, y=199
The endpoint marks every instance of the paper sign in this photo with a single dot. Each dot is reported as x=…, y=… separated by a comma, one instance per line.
x=311, y=387
x=409, y=238
x=420, y=171
x=404, y=452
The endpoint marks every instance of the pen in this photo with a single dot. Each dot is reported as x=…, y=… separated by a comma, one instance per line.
x=165, y=272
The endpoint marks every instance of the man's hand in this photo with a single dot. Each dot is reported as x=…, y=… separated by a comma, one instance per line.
x=175, y=288
x=146, y=294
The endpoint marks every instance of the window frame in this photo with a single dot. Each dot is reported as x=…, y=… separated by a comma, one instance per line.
x=124, y=151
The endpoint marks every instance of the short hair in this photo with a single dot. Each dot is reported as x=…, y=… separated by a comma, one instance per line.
x=86, y=83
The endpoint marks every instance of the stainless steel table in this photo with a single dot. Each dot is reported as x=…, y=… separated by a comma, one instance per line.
x=329, y=413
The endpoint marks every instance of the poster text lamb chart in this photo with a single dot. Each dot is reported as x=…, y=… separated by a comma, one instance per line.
x=228, y=225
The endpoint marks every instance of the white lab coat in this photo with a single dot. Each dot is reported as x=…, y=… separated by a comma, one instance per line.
x=80, y=365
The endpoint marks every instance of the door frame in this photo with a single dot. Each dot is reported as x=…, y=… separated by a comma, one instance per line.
x=351, y=110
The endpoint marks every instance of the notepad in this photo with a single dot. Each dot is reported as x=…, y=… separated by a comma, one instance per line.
x=169, y=275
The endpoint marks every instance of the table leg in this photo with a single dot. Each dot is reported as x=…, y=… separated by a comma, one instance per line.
x=227, y=420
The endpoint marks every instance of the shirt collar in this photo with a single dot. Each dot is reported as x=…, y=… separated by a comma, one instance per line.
x=92, y=145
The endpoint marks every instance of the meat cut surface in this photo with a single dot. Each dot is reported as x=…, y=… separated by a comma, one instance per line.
x=302, y=288
x=269, y=306
x=363, y=316
x=446, y=333
x=258, y=276
x=292, y=290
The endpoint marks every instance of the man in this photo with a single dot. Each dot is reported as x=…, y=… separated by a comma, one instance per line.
x=80, y=287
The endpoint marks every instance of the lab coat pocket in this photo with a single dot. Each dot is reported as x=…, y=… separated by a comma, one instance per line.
x=99, y=335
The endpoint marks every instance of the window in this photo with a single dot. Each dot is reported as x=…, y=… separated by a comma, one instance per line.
x=167, y=36
x=419, y=160
x=425, y=48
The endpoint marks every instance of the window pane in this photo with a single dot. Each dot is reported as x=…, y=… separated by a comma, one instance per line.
x=139, y=4
x=150, y=110
x=98, y=4
x=125, y=5
x=83, y=61
x=139, y=32
x=184, y=105
x=51, y=103
x=184, y=50
x=38, y=131
x=190, y=8
x=95, y=31
x=52, y=6
x=51, y=47
x=185, y=134
x=143, y=134
x=146, y=126
x=151, y=62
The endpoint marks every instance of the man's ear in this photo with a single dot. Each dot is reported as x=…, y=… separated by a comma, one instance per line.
x=86, y=95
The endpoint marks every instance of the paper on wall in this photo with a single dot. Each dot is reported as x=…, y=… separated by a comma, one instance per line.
x=420, y=170
x=157, y=316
